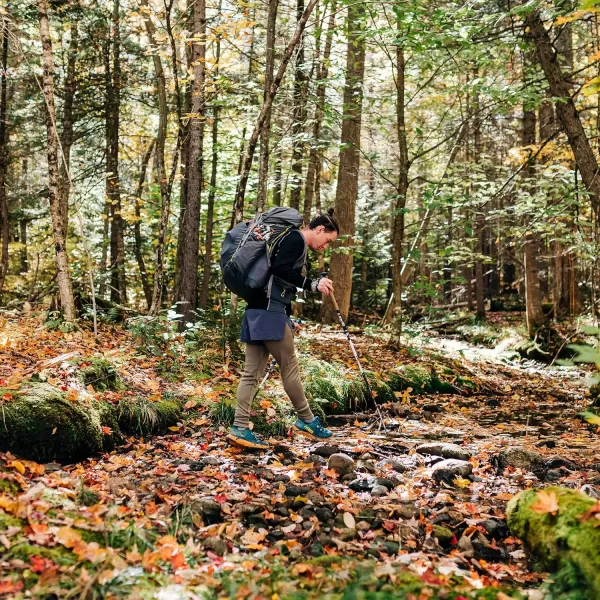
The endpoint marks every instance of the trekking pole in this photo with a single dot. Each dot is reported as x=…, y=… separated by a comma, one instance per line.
x=362, y=372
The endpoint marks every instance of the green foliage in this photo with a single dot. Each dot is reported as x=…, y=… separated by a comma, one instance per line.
x=100, y=373
x=140, y=416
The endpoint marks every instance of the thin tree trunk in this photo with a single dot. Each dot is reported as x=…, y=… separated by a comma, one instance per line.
x=160, y=166
x=4, y=233
x=210, y=212
x=298, y=117
x=479, y=216
x=313, y=172
x=137, y=233
x=66, y=138
x=263, y=167
x=278, y=183
x=118, y=291
x=58, y=228
x=349, y=161
x=238, y=208
x=187, y=277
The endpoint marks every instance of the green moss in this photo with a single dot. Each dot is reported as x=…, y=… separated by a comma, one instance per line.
x=561, y=542
x=138, y=416
x=24, y=551
x=7, y=521
x=8, y=487
x=42, y=425
x=100, y=373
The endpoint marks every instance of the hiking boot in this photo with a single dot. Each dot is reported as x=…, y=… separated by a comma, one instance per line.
x=313, y=430
x=242, y=436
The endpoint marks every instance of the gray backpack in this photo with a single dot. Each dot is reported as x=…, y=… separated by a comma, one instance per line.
x=247, y=249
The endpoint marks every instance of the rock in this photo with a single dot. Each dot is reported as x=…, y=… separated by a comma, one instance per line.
x=389, y=547
x=326, y=450
x=564, y=542
x=445, y=450
x=317, y=550
x=450, y=469
x=558, y=462
x=406, y=511
x=210, y=460
x=493, y=403
x=324, y=514
x=486, y=552
x=379, y=490
x=341, y=463
x=315, y=497
x=443, y=534
x=520, y=458
x=349, y=477
x=553, y=475
x=346, y=534
x=282, y=477
x=432, y=408
x=466, y=547
x=402, y=466
x=297, y=490
x=496, y=529
x=546, y=444
x=387, y=483
x=209, y=510
x=257, y=521
x=363, y=526
x=216, y=545
x=362, y=485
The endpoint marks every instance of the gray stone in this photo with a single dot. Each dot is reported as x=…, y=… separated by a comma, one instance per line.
x=362, y=485
x=379, y=490
x=520, y=458
x=208, y=509
x=216, y=545
x=341, y=463
x=346, y=534
x=297, y=490
x=326, y=450
x=402, y=466
x=349, y=477
x=210, y=460
x=557, y=462
x=315, y=497
x=443, y=534
x=324, y=514
x=445, y=450
x=450, y=469
x=466, y=547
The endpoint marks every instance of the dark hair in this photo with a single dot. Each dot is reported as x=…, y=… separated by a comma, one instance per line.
x=327, y=220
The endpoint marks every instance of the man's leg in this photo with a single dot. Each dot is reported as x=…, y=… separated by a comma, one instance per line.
x=256, y=360
x=285, y=355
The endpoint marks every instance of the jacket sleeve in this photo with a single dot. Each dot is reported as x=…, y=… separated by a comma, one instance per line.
x=289, y=250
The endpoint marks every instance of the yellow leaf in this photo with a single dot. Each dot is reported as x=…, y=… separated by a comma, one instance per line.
x=461, y=482
x=18, y=465
x=546, y=502
x=174, y=428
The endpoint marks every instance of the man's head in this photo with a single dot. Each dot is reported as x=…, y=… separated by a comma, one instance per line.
x=321, y=231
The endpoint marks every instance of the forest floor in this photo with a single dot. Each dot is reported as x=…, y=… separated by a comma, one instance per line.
x=185, y=515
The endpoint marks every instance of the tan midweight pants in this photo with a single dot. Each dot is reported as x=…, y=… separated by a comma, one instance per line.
x=256, y=360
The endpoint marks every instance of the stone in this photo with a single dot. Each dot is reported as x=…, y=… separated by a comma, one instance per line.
x=387, y=483
x=553, y=475
x=406, y=511
x=282, y=477
x=349, y=477
x=326, y=450
x=324, y=514
x=297, y=490
x=208, y=509
x=363, y=526
x=315, y=497
x=210, y=460
x=450, y=469
x=362, y=485
x=402, y=466
x=496, y=529
x=379, y=490
x=257, y=521
x=216, y=545
x=443, y=534
x=466, y=546
x=347, y=534
x=520, y=458
x=341, y=463
x=558, y=462
x=444, y=450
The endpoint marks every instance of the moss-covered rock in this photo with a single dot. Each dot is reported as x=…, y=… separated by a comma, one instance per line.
x=100, y=373
x=42, y=425
x=139, y=416
x=566, y=541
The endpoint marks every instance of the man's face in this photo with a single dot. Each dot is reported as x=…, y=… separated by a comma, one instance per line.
x=322, y=238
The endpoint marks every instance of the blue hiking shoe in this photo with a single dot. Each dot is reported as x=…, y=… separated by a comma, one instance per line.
x=242, y=436
x=313, y=430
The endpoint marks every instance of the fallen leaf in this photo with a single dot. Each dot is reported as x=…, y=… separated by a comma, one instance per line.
x=546, y=502
x=349, y=520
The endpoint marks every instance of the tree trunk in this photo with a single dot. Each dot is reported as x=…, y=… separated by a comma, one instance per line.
x=480, y=216
x=58, y=228
x=313, y=172
x=66, y=138
x=212, y=192
x=263, y=168
x=533, y=295
x=566, y=111
x=4, y=233
x=278, y=183
x=238, y=207
x=159, y=164
x=349, y=162
x=137, y=234
x=118, y=292
x=189, y=242
x=298, y=117
x=403, y=168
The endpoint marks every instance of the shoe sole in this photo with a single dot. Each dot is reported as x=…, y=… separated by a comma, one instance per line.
x=307, y=434
x=246, y=444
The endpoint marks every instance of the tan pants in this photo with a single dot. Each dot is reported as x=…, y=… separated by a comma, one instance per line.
x=256, y=360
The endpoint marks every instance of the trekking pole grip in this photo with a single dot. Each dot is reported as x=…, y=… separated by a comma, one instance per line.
x=335, y=304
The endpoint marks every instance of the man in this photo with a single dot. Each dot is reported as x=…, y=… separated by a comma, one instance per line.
x=266, y=329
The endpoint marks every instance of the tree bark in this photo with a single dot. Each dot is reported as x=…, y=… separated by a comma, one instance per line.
x=349, y=163
x=263, y=165
x=68, y=122
x=566, y=111
x=118, y=291
x=4, y=233
x=58, y=228
x=238, y=207
x=137, y=234
x=313, y=171
x=298, y=117
x=189, y=242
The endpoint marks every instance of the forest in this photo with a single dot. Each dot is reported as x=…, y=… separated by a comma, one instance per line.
x=456, y=144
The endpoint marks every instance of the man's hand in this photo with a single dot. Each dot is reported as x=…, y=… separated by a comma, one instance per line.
x=325, y=286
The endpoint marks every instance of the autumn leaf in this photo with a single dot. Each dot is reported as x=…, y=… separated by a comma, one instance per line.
x=461, y=482
x=590, y=417
x=546, y=502
x=349, y=520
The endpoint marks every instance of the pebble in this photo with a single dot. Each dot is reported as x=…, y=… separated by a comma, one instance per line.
x=444, y=450
x=341, y=463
